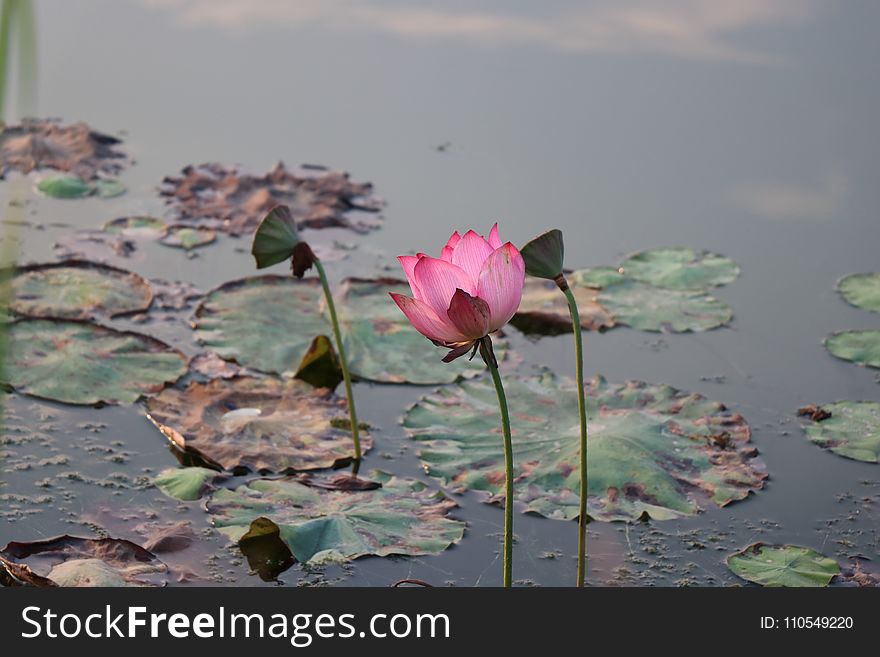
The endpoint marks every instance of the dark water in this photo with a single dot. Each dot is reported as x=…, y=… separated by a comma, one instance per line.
x=745, y=128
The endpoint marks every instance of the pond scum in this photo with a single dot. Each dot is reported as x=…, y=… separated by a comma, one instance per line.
x=278, y=462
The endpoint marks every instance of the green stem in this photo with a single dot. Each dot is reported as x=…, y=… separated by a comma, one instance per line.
x=489, y=358
x=343, y=363
x=582, y=410
x=7, y=16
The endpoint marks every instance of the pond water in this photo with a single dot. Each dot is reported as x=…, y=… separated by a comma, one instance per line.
x=746, y=128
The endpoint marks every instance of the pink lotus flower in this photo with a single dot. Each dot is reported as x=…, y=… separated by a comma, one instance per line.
x=471, y=290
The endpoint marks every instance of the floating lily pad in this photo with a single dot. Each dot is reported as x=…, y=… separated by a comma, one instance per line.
x=653, y=450
x=49, y=144
x=848, y=428
x=861, y=291
x=78, y=290
x=115, y=249
x=544, y=308
x=74, y=561
x=109, y=188
x=186, y=237
x=185, y=483
x=648, y=308
x=231, y=201
x=174, y=295
x=381, y=344
x=403, y=517
x=135, y=225
x=264, y=425
x=680, y=268
x=267, y=323
x=862, y=347
x=783, y=565
x=65, y=187
x=82, y=363
x=596, y=277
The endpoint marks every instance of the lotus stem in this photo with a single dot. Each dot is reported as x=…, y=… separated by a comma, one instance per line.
x=343, y=363
x=489, y=358
x=582, y=411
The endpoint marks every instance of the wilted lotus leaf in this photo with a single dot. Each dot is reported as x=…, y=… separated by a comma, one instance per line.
x=174, y=295
x=680, y=268
x=320, y=365
x=862, y=347
x=648, y=308
x=74, y=561
x=404, y=516
x=544, y=309
x=848, y=428
x=47, y=144
x=78, y=290
x=81, y=363
x=186, y=550
x=266, y=323
x=115, y=249
x=653, y=450
x=783, y=565
x=861, y=291
x=264, y=425
x=135, y=225
x=382, y=345
x=186, y=237
x=211, y=366
x=235, y=202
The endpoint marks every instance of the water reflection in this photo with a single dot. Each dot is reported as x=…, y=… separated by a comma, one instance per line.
x=704, y=29
x=791, y=200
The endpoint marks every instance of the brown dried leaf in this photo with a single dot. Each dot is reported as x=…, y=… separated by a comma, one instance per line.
x=235, y=202
x=260, y=424
x=48, y=144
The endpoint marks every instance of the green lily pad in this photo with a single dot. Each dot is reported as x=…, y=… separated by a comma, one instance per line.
x=381, y=344
x=136, y=224
x=861, y=291
x=783, y=565
x=862, y=347
x=544, y=309
x=852, y=429
x=260, y=424
x=109, y=188
x=596, y=277
x=185, y=483
x=680, y=268
x=267, y=323
x=82, y=363
x=74, y=561
x=65, y=187
x=402, y=517
x=78, y=290
x=648, y=308
x=186, y=237
x=653, y=451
